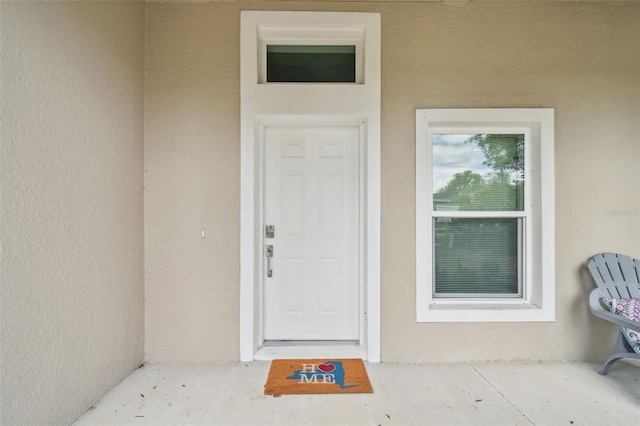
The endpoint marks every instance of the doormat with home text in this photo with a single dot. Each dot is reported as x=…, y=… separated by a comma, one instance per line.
x=304, y=376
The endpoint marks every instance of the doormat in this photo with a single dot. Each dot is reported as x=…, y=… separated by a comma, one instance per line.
x=305, y=376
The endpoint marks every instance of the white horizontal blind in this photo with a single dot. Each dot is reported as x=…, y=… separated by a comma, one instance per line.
x=477, y=257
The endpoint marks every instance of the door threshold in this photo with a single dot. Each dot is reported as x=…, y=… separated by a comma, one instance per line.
x=294, y=349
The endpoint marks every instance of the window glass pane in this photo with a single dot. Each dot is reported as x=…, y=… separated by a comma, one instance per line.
x=477, y=257
x=481, y=172
x=311, y=64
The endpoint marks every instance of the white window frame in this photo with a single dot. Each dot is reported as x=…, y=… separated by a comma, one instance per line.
x=538, y=297
x=525, y=244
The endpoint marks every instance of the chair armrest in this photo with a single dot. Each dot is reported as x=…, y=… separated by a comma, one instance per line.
x=601, y=312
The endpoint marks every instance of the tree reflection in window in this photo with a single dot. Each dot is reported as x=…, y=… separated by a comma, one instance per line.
x=485, y=172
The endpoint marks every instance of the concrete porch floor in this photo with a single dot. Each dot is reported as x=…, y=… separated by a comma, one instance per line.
x=501, y=393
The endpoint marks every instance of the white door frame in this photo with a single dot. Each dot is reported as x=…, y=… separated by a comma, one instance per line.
x=264, y=105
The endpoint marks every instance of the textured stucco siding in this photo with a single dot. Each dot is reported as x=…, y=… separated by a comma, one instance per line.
x=72, y=271
x=582, y=59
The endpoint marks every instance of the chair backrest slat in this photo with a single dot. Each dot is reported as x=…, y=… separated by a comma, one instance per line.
x=617, y=275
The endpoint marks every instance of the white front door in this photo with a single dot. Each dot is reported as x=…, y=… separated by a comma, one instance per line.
x=311, y=198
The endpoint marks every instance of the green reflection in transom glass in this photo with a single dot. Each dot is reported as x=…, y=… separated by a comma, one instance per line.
x=311, y=64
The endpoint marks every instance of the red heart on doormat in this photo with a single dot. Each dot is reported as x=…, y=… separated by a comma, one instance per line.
x=327, y=368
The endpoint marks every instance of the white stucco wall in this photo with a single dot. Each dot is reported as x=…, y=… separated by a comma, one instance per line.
x=583, y=59
x=72, y=272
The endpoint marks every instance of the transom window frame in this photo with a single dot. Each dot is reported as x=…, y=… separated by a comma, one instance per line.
x=312, y=35
x=538, y=296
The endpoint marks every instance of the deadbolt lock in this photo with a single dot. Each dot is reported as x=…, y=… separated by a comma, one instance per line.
x=269, y=231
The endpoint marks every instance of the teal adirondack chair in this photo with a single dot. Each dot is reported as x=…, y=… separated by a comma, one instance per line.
x=617, y=277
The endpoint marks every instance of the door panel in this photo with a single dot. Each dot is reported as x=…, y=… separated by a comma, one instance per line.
x=311, y=191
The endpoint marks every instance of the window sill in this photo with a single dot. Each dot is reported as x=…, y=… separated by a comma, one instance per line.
x=486, y=312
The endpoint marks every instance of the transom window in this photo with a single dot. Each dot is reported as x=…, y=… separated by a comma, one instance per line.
x=311, y=64
x=318, y=54
x=484, y=215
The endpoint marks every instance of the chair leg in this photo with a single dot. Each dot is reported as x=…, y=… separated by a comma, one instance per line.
x=607, y=365
x=620, y=350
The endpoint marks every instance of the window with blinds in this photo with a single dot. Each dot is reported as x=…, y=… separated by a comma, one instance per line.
x=485, y=247
x=479, y=190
